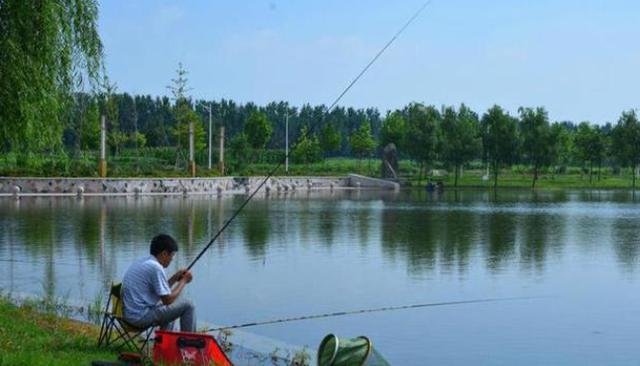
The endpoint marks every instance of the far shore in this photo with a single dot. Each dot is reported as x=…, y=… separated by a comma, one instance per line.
x=230, y=185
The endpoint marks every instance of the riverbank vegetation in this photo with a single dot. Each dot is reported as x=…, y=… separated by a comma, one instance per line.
x=29, y=337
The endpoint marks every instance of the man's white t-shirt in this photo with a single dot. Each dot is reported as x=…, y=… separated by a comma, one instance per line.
x=142, y=286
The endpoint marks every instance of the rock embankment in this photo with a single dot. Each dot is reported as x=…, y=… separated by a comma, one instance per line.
x=163, y=186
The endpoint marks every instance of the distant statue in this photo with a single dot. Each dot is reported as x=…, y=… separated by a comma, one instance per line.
x=390, y=162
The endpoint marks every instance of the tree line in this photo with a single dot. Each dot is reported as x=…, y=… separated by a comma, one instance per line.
x=446, y=136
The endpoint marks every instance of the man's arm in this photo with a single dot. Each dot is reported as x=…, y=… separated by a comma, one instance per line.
x=184, y=278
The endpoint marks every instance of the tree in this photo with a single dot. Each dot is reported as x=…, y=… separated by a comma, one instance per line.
x=185, y=116
x=589, y=146
x=181, y=107
x=564, y=145
x=239, y=151
x=109, y=107
x=393, y=130
x=83, y=127
x=626, y=142
x=46, y=48
x=538, y=141
x=499, y=138
x=362, y=142
x=307, y=149
x=258, y=130
x=460, y=137
x=421, y=133
x=329, y=138
x=116, y=139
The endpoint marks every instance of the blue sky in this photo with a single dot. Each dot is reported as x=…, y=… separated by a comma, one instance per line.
x=579, y=59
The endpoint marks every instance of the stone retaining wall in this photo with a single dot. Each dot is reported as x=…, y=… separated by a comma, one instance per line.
x=126, y=186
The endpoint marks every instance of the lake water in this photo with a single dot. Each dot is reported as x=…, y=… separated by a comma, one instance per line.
x=576, y=252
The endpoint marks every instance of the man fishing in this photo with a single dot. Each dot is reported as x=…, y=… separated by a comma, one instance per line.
x=147, y=294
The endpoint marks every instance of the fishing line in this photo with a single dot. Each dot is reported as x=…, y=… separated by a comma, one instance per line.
x=335, y=102
x=373, y=310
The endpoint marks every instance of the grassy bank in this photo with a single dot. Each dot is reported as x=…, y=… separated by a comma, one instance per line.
x=28, y=337
x=508, y=179
x=161, y=162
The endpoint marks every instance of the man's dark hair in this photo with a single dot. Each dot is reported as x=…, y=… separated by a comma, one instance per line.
x=163, y=242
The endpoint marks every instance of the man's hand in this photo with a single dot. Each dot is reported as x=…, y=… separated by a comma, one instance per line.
x=186, y=276
x=180, y=275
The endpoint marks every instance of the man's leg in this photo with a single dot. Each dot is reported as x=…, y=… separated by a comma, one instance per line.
x=164, y=315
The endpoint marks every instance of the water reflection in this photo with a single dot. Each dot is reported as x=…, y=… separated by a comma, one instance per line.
x=423, y=231
x=627, y=242
x=501, y=239
x=256, y=224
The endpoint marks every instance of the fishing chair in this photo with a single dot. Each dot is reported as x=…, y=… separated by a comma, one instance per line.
x=117, y=332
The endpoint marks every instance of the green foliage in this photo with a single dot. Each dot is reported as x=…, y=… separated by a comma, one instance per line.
x=239, y=150
x=590, y=145
x=185, y=116
x=500, y=139
x=139, y=140
x=565, y=144
x=83, y=128
x=538, y=140
x=46, y=47
x=307, y=149
x=258, y=130
x=393, y=130
x=178, y=87
x=116, y=139
x=109, y=103
x=422, y=132
x=362, y=142
x=460, y=137
x=330, y=138
x=626, y=141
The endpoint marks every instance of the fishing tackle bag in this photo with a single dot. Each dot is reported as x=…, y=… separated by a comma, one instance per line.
x=183, y=348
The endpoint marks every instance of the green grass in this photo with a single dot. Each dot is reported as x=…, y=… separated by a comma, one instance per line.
x=508, y=179
x=28, y=337
x=160, y=162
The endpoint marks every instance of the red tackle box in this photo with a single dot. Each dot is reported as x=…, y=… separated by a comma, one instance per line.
x=182, y=348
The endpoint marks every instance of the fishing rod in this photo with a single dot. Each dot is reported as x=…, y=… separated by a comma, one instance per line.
x=372, y=310
x=335, y=102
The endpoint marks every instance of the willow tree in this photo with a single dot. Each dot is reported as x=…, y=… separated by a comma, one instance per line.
x=47, y=48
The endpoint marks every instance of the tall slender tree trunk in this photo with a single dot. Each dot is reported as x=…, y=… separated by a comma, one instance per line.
x=633, y=171
x=599, y=169
x=535, y=177
x=495, y=176
x=590, y=171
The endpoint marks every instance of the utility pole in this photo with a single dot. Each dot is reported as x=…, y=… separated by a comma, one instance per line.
x=192, y=163
x=286, y=142
x=209, y=108
x=210, y=119
x=102, y=164
x=221, y=160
